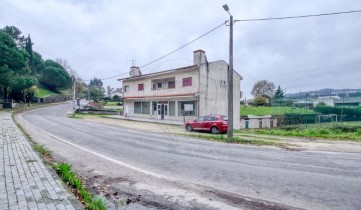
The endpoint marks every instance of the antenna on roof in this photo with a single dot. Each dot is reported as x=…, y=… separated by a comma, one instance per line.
x=133, y=61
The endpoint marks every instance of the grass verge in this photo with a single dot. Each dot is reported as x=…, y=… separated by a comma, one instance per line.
x=69, y=177
x=81, y=116
x=336, y=133
x=238, y=140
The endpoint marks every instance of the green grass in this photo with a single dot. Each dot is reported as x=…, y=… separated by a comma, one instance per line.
x=334, y=133
x=68, y=176
x=44, y=92
x=279, y=110
x=81, y=116
x=238, y=140
x=65, y=91
x=112, y=103
x=41, y=149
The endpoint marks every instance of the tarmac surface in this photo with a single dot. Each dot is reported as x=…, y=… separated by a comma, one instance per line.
x=194, y=173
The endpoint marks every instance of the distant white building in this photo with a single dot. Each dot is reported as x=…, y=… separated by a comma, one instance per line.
x=196, y=90
x=266, y=121
x=328, y=100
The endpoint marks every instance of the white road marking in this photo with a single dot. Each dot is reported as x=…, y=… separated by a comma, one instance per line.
x=100, y=155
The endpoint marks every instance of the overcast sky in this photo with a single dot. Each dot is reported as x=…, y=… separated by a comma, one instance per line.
x=99, y=38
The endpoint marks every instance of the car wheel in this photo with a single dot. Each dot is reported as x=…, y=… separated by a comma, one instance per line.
x=214, y=130
x=189, y=128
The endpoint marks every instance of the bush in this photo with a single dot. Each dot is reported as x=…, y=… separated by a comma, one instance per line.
x=259, y=101
x=324, y=131
x=346, y=129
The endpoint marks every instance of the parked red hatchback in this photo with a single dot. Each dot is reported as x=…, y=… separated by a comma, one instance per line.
x=211, y=123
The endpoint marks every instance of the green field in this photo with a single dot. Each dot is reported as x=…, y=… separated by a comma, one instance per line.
x=279, y=110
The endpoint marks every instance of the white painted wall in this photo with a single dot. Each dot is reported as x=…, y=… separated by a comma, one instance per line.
x=147, y=81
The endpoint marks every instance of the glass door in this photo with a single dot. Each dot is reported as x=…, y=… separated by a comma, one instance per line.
x=165, y=111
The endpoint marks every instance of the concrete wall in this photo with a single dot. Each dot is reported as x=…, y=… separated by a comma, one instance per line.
x=254, y=123
x=213, y=90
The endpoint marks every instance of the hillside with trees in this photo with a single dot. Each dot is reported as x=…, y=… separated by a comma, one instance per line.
x=23, y=70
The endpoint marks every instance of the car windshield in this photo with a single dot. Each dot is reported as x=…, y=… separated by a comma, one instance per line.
x=224, y=118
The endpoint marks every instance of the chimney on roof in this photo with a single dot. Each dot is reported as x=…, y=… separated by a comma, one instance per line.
x=134, y=71
x=199, y=57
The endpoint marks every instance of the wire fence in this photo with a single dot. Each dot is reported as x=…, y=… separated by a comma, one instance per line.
x=317, y=112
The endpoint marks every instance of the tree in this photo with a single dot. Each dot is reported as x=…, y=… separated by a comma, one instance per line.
x=15, y=34
x=116, y=98
x=29, y=50
x=11, y=55
x=6, y=75
x=259, y=101
x=23, y=85
x=96, y=94
x=279, y=93
x=96, y=83
x=54, y=78
x=263, y=88
x=39, y=65
x=13, y=61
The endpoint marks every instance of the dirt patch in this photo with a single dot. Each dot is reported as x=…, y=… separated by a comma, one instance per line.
x=249, y=203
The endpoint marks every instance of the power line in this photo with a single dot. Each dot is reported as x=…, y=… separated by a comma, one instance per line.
x=300, y=16
x=306, y=70
x=224, y=23
x=179, y=48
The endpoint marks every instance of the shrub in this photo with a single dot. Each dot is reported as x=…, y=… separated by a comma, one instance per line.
x=324, y=131
x=260, y=101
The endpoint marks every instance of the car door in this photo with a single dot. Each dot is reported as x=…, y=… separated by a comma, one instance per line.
x=206, y=125
x=198, y=123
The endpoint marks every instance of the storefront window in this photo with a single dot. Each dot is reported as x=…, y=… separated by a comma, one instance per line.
x=145, y=107
x=171, y=108
x=187, y=108
x=138, y=107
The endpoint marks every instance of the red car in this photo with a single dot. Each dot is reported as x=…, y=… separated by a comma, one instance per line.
x=212, y=123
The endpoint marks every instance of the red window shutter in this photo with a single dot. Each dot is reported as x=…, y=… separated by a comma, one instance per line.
x=187, y=81
x=140, y=87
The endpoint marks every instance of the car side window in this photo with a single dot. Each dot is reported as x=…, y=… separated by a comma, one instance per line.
x=207, y=118
x=199, y=119
x=214, y=119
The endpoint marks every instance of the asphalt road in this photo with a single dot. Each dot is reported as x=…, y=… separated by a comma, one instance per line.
x=309, y=180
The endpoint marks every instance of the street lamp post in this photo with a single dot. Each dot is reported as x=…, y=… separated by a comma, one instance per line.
x=230, y=78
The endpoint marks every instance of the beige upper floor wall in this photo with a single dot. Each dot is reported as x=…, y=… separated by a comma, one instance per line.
x=148, y=80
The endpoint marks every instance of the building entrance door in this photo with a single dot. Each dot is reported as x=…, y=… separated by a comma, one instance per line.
x=162, y=111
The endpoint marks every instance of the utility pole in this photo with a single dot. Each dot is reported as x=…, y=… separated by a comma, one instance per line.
x=230, y=78
x=74, y=94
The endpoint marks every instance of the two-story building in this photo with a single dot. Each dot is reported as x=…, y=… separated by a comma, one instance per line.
x=190, y=91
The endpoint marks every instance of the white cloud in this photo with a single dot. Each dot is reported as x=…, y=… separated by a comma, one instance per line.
x=98, y=38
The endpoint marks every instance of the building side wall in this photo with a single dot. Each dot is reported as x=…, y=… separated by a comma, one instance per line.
x=213, y=91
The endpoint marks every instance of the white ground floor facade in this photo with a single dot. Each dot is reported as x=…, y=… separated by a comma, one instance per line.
x=177, y=108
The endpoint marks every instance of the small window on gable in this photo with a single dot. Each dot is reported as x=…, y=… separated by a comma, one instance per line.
x=126, y=88
x=187, y=81
x=140, y=87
